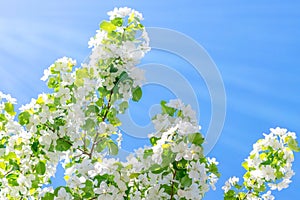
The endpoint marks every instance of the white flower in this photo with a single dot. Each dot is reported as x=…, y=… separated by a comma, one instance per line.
x=268, y=172
x=125, y=90
x=179, y=149
x=175, y=103
x=156, y=192
x=46, y=75
x=268, y=196
x=161, y=122
x=63, y=195
x=185, y=128
x=84, y=167
x=212, y=161
x=233, y=180
x=197, y=170
x=119, y=12
x=138, y=75
x=97, y=39
x=190, y=193
x=189, y=113
x=278, y=131
x=229, y=183
x=279, y=186
x=63, y=64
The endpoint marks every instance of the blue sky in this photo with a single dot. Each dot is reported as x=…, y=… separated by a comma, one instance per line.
x=255, y=46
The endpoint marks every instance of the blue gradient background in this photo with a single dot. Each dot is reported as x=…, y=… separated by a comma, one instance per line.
x=254, y=44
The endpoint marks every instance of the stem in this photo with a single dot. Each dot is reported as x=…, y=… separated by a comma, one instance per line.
x=172, y=186
x=245, y=197
x=103, y=119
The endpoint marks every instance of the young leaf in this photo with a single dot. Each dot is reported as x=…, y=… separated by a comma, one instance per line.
x=41, y=168
x=80, y=75
x=293, y=144
x=113, y=148
x=9, y=108
x=137, y=94
x=107, y=26
x=123, y=106
x=101, y=146
x=196, y=138
x=48, y=196
x=118, y=21
x=167, y=110
x=62, y=145
x=24, y=118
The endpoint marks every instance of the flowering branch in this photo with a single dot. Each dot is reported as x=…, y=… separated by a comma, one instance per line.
x=74, y=125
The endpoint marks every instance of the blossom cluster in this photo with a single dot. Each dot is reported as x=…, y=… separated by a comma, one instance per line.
x=269, y=167
x=174, y=167
x=75, y=121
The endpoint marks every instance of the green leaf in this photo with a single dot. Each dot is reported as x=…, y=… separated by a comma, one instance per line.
x=9, y=108
x=214, y=169
x=245, y=165
x=147, y=152
x=167, y=157
x=137, y=94
x=12, y=179
x=2, y=117
x=167, y=110
x=80, y=75
x=88, y=189
x=118, y=21
x=123, y=106
x=52, y=82
x=107, y=26
x=41, y=168
x=157, y=169
x=24, y=118
x=92, y=109
x=168, y=189
x=134, y=175
x=99, y=102
x=35, y=146
x=101, y=146
x=293, y=144
x=62, y=145
x=186, y=181
x=48, y=196
x=89, y=124
x=112, y=147
x=113, y=69
x=242, y=195
x=230, y=195
x=123, y=76
x=153, y=140
x=196, y=138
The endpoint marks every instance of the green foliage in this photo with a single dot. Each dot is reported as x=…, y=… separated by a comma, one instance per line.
x=109, y=26
x=112, y=147
x=137, y=94
x=62, y=144
x=81, y=74
x=48, y=196
x=118, y=21
x=41, y=168
x=196, y=138
x=9, y=108
x=293, y=144
x=167, y=110
x=24, y=118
